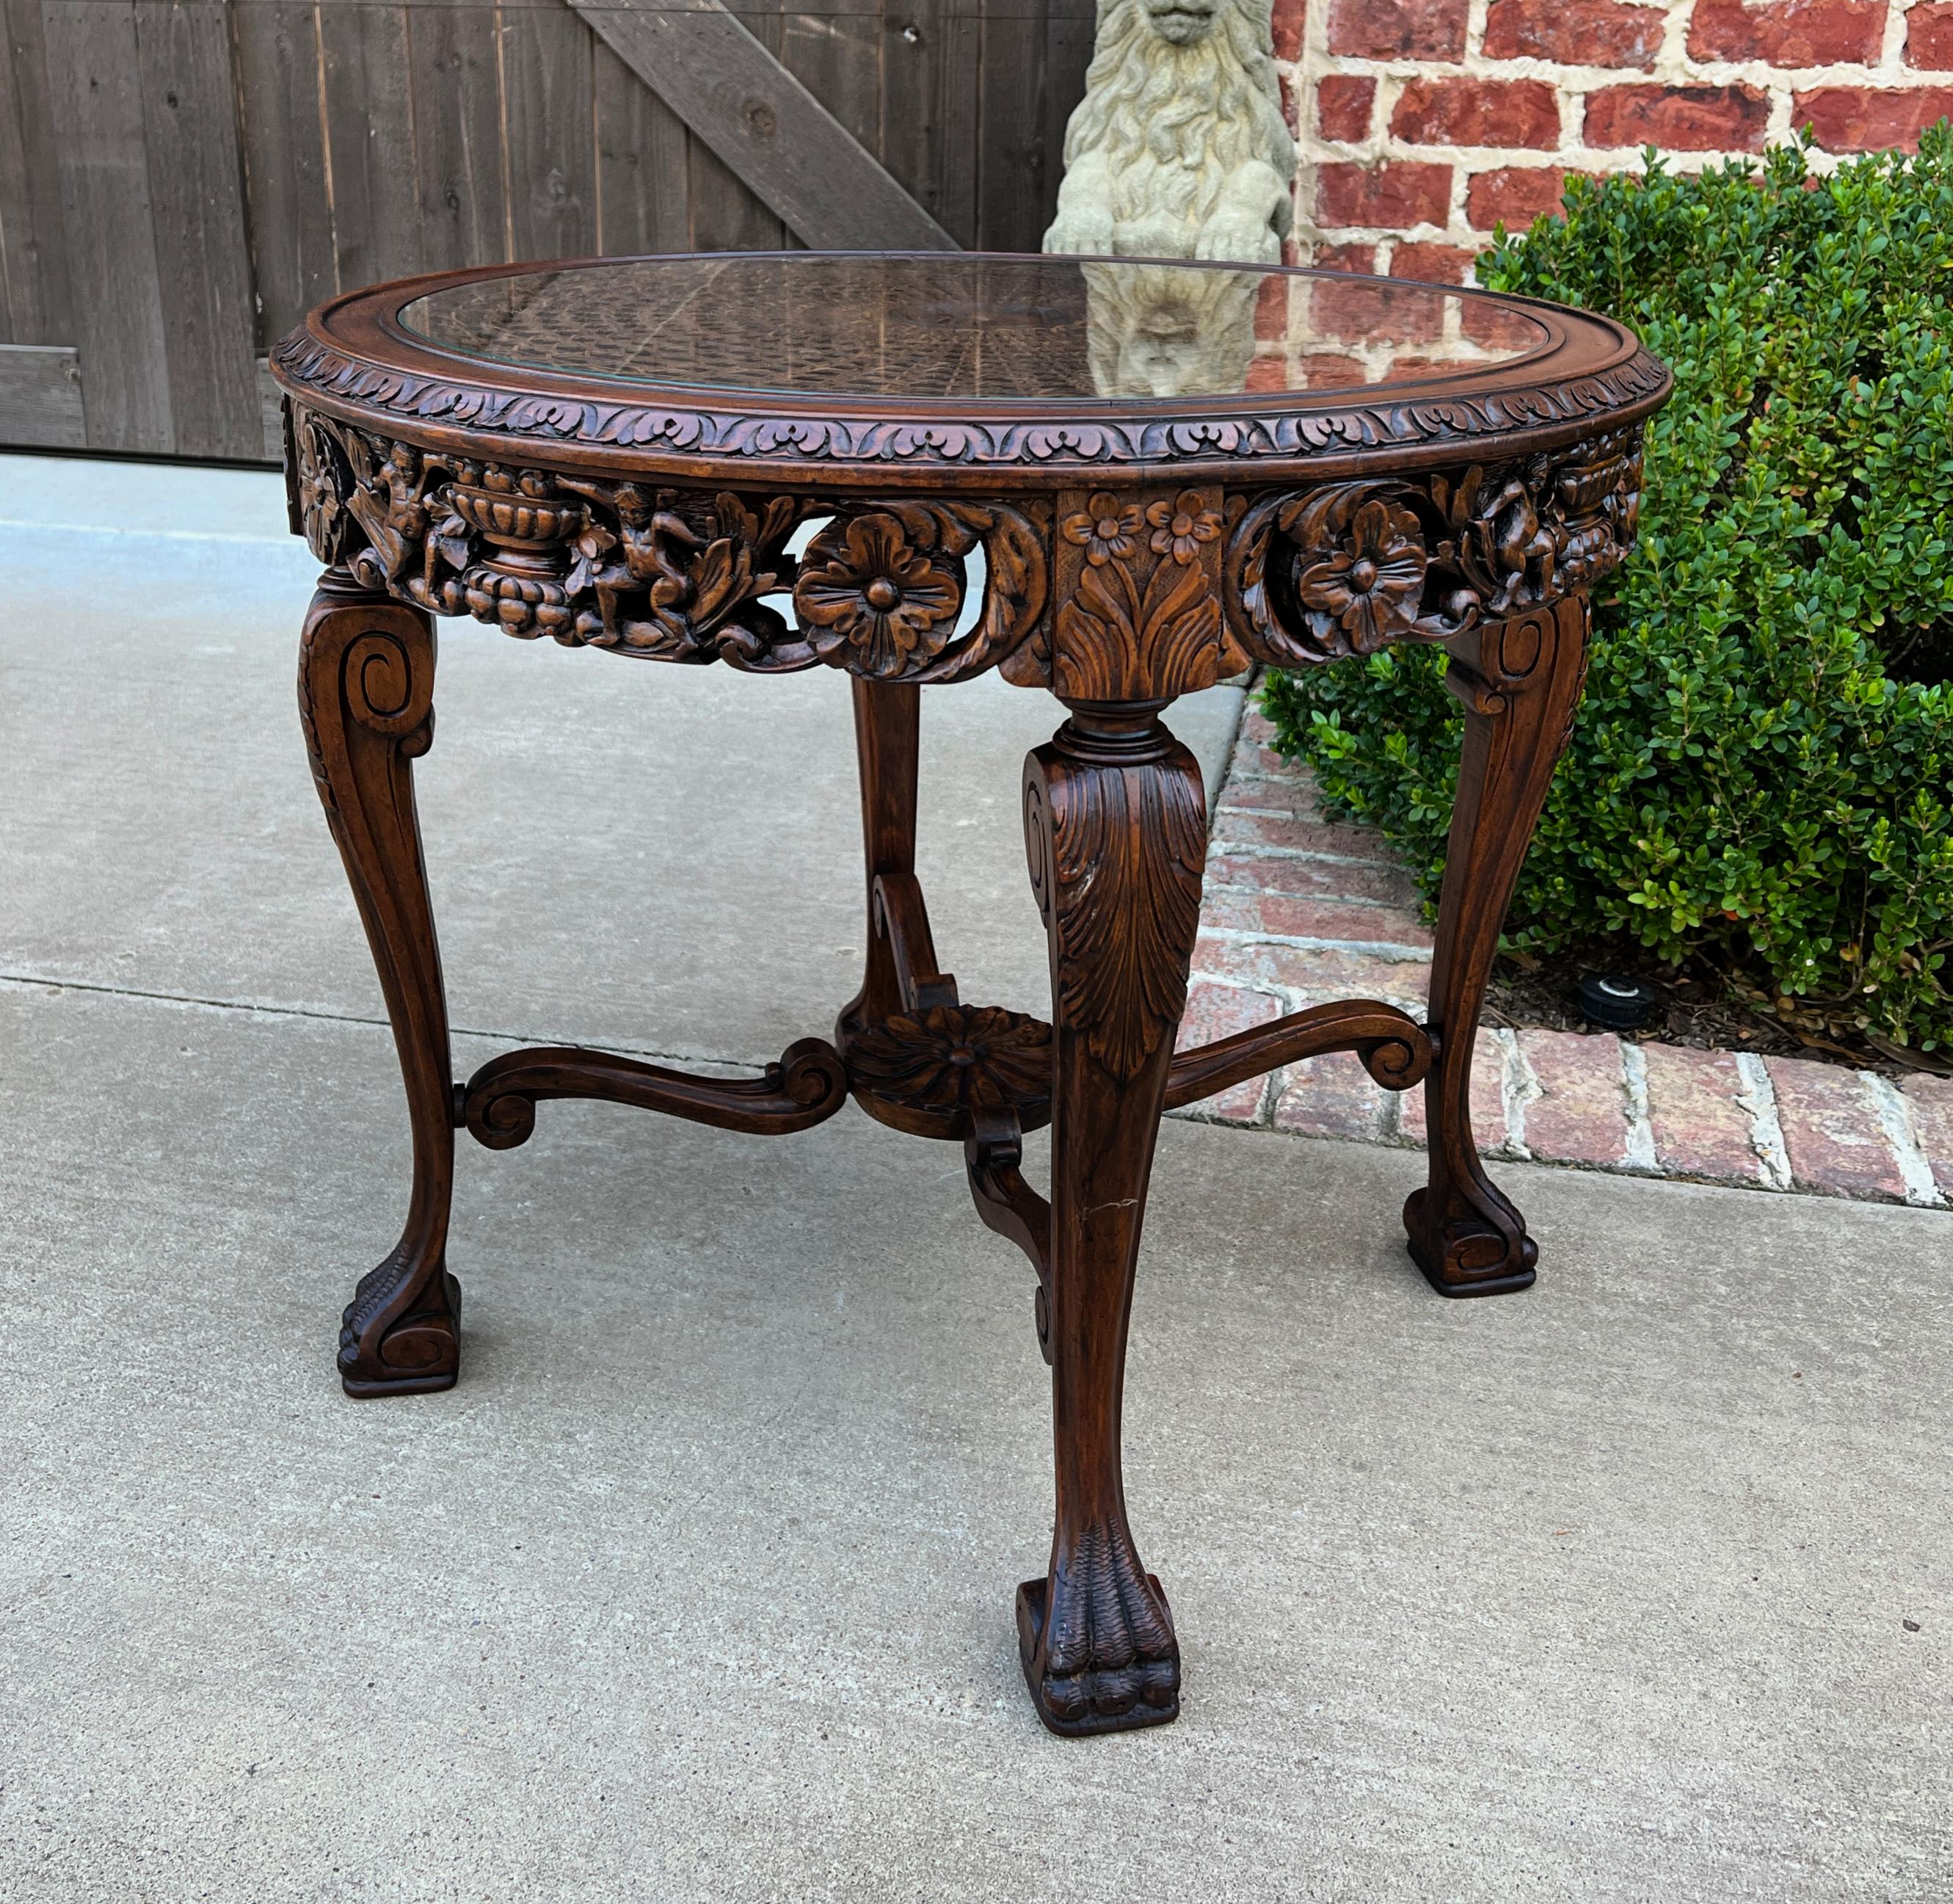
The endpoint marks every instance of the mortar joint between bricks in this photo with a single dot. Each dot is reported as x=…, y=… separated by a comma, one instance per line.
x=1758, y=1097
x=1638, y=1153
x=1519, y=1086
x=1895, y=1119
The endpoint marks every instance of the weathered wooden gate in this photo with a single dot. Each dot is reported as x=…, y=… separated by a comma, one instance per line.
x=179, y=179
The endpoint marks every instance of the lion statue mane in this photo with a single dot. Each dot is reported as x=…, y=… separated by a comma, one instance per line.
x=1179, y=148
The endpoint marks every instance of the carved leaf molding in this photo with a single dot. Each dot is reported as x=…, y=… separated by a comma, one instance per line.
x=1088, y=440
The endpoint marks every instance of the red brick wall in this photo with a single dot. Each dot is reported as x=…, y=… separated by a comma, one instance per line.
x=1422, y=123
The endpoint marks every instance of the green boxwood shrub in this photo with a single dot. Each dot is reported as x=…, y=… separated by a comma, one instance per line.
x=1761, y=773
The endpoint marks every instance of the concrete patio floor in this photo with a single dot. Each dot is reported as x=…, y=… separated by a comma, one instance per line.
x=1637, y=1586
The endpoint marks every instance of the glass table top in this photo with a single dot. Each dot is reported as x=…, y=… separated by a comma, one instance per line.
x=949, y=327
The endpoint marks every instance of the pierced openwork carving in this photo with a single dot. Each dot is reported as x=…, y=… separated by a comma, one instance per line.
x=677, y=575
x=1315, y=574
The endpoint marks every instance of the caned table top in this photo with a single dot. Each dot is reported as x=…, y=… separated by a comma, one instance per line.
x=954, y=370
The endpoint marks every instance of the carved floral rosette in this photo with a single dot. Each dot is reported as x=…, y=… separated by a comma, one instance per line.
x=1346, y=568
x=1307, y=573
x=671, y=574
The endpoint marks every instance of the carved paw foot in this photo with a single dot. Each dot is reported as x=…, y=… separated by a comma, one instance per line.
x=1097, y=1642
x=1467, y=1252
x=417, y=1352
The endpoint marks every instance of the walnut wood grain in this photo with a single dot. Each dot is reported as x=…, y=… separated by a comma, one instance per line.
x=366, y=700
x=806, y=1087
x=1519, y=681
x=1129, y=552
x=1115, y=825
x=1394, y=1049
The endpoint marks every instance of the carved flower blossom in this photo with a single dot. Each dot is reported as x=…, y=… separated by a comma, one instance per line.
x=955, y=1056
x=879, y=594
x=1105, y=532
x=1180, y=526
x=1371, y=584
x=320, y=508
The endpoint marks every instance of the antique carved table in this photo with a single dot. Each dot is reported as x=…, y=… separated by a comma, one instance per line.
x=1119, y=482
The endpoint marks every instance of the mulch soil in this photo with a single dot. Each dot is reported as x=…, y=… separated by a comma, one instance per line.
x=1699, y=1010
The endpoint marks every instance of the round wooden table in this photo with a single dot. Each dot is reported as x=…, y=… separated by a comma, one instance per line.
x=1119, y=481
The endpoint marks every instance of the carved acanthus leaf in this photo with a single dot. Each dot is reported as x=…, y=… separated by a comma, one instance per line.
x=1126, y=898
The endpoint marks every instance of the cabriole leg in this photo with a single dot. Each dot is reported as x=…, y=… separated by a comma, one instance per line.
x=366, y=698
x=1115, y=827
x=1520, y=681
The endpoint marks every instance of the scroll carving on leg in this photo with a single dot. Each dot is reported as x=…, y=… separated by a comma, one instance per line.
x=366, y=698
x=1115, y=828
x=1520, y=680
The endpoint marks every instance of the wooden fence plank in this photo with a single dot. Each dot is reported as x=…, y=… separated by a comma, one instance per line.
x=763, y=124
x=35, y=305
x=1010, y=192
x=1070, y=26
x=931, y=84
x=95, y=89
x=196, y=197
x=271, y=413
x=724, y=214
x=458, y=134
x=375, y=209
x=547, y=83
x=837, y=56
x=40, y=397
x=290, y=205
x=643, y=187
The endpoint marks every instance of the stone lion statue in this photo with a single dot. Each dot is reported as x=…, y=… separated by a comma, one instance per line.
x=1179, y=148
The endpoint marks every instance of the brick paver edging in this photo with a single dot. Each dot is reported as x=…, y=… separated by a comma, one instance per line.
x=1298, y=909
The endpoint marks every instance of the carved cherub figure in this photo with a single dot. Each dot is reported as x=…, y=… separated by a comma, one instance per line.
x=391, y=505
x=1179, y=148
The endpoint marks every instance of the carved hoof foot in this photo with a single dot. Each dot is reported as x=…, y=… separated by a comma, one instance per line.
x=1470, y=1255
x=1112, y=1662
x=419, y=1353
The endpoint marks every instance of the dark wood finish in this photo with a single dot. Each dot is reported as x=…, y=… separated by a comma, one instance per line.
x=887, y=729
x=806, y=1087
x=1433, y=468
x=1519, y=681
x=1115, y=825
x=1394, y=1049
x=1133, y=554
x=366, y=699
